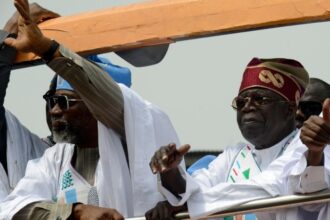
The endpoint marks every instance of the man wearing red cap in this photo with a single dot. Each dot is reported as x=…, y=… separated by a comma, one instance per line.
x=265, y=105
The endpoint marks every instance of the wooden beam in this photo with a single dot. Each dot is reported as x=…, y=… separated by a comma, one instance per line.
x=166, y=21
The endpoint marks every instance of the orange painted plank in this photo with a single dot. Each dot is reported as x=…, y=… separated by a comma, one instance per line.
x=164, y=21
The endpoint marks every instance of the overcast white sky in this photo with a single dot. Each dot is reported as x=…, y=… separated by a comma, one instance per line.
x=196, y=81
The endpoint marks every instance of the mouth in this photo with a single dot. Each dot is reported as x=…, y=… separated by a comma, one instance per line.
x=250, y=120
x=58, y=125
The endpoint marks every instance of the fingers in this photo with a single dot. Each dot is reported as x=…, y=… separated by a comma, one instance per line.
x=183, y=149
x=22, y=7
x=315, y=134
x=167, y=157
x=165, y=152
x=29, y=37
x=162, y=211
x=117, y=216
x=314, y=127
x=154, y=168
x=167, y=210
x=148, y=214
x=325, y=110
x=10, y=42
x=107, y=213
x=313, y=144
x=161, y=157
x=151, y=214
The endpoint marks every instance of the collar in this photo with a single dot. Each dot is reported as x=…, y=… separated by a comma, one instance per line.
x=265, y=156
x=283, y=143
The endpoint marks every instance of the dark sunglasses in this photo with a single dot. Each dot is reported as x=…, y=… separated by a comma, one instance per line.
x=257, y=100
x=63, y=101
x=309, y=108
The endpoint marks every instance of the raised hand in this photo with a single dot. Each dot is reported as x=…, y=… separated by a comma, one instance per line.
x=89, y=212
x=167, y=158
x=315, y=134
x=29, y=36
x=38, y=14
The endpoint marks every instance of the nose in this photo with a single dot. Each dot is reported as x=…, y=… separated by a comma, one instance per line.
x=56, y=110
x=249, y=105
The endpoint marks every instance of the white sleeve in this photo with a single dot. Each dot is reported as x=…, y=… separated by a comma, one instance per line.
x=204, y=178
x=324, y=213
x=191, y=187
x=39, y=183
x=270, y=183
x=208, y=192
x=309, y=179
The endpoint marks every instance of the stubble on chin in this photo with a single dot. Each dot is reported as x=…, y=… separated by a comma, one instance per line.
x=65, y=136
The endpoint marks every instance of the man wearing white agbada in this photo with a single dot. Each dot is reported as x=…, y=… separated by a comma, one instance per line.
x=104, y=172
x=266, y=106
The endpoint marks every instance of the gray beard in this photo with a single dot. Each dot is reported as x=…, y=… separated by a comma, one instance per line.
x=65, y=136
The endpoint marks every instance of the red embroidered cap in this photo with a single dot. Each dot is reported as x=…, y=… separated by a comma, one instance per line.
x=285, y=77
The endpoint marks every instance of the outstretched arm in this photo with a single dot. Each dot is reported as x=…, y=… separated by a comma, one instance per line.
x=100, y=93
x=8, y=53
x=7, y=57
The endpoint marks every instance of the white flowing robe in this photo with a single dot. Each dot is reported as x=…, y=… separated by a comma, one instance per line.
x=132, y=191
x=308, y=179
x=22, y=146
x=208, y=191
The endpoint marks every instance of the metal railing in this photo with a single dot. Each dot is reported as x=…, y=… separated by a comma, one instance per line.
x=269, y=204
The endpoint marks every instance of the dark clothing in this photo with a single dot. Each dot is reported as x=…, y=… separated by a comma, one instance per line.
x=7, y=57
